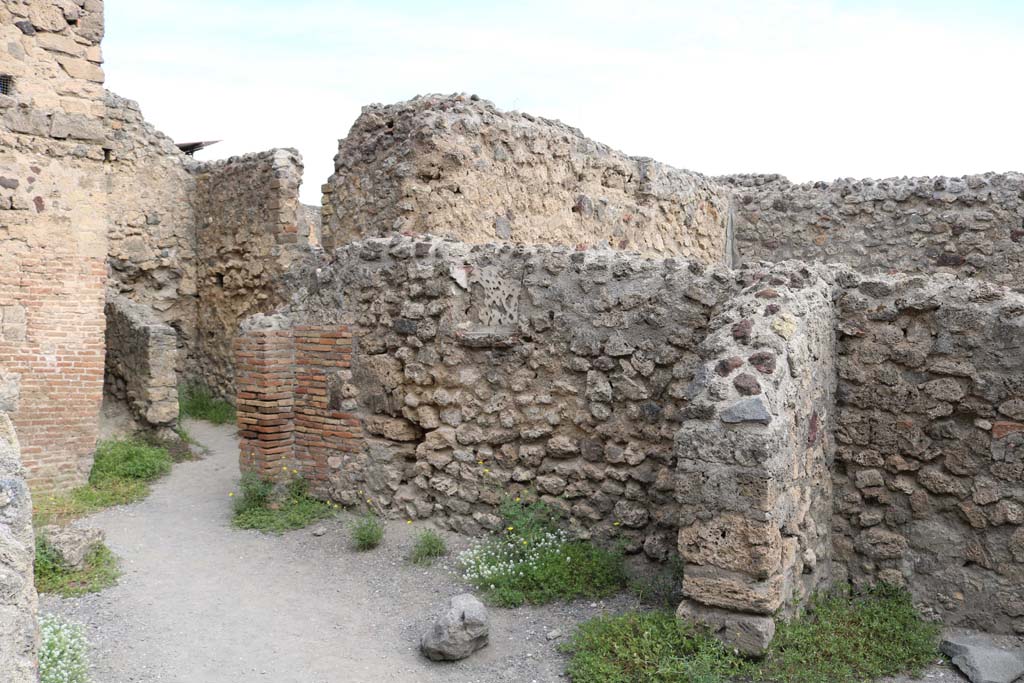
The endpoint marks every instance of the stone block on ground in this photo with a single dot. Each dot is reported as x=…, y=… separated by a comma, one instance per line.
x=72, y=544
x=749, y=634
x=982, y=660
x=459, y=632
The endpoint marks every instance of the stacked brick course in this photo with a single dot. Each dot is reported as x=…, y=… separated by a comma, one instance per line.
x=53, y=231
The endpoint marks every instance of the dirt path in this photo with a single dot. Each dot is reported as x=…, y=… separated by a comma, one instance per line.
x=201, y=602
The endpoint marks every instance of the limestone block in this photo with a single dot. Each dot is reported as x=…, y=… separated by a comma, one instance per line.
x=749, y=634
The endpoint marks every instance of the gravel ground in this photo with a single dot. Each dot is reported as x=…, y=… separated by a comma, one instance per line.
x=200, y=602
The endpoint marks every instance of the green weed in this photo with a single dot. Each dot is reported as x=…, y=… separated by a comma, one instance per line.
x=63, y=651
x=428, y=546
x=198, y=402
x=257, y=507
x=53, y=576
x=838, y=639
x=367, y=532
x=533, y=561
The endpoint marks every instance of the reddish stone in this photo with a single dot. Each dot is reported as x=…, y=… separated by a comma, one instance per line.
x=764, y=361
x=747, y=384
x=741, y=330
x=727, y=365
x=1001, y=429
x=767, y=294
x=772, y=309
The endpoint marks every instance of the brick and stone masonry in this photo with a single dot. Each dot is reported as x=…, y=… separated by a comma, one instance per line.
x=667, y=406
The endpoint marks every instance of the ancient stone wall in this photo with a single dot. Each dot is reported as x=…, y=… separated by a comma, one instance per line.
x=152, y=231
x=248, y=233
x=19, y=631
x=972, y=226
x=457, y=166
x=479, y=372
x=140, y=363
x=929, y=475
x=753, y=457
x=53, y=225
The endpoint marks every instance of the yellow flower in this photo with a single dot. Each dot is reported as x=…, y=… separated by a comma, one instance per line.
x=524, y=542
x=517, y=500
x=408, y=521
x=615, y=523
x=295, y=471
x=486, y=470
x=285, y=468
x=231, y=494
x=511, y=528
x=368, y=500
x=479, y=462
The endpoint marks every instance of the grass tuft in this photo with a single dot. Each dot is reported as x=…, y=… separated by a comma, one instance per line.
x=533, y=561
x=847, y=639
x=198, y=402
x=121, y=474
x=367, y=532
x=131, y=459
x=647, y=647
x=839, y=639
x=258, y=508
x=428, y=546
x=53, y=576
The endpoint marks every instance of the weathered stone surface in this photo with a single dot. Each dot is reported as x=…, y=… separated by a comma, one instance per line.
x=970, y=226
x=459, y=632
x=19, y=633
x=141, y=362
x=72, y=544
x=749, y=634
x=747, y=410
x=467, y=170
x=981, y=660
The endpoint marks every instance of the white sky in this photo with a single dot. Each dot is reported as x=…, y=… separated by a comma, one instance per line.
x=813, y=89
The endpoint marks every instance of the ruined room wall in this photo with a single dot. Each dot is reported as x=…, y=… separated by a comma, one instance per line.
x=140, y=363
x=19, y=630
x=457, y=166
x=971, y=226
x=753, y=456
x=248, y=232
x=479, y=372
x=53, y=224
x=929, y=475
x=152, y=253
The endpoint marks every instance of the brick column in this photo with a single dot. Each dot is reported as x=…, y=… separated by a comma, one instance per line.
x=327, y=430
x=265, y=379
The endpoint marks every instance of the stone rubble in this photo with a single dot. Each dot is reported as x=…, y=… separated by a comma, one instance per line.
x=459, y=632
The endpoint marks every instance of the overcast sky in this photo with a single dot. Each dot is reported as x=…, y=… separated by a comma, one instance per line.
x=811, y=89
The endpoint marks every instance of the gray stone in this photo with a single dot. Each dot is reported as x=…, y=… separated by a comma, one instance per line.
x=747, y=410
x=72, y=544
x=459, y=632
x=748, y=634
x=981, y=660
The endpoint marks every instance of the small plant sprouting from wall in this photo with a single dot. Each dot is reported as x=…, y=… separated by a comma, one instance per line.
x=533, y=561
x=198, y=402
x=63, y=655
x=260, y=506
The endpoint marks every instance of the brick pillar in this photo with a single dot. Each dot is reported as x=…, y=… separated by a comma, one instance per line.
x=328, y=434
x=265, y=380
